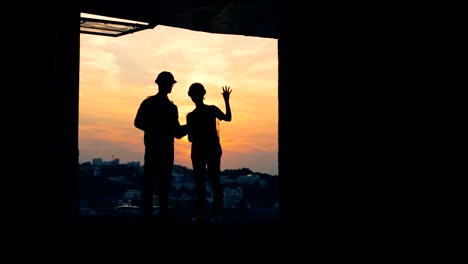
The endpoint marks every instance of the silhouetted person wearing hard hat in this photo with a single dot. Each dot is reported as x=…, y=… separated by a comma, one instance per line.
x=158, y=117
x=206, y=152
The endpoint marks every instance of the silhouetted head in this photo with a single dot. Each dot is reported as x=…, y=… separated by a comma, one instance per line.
x=165, y=77
x=196, y=90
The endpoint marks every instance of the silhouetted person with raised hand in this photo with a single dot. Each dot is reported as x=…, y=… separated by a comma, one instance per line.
x=158, y=117
x=206, y=151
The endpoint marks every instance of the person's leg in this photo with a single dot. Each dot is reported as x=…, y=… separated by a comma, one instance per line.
x=214, y=171
x=163, y=193
x=164, y=172
x=197, y=156
x=148, y=185
x=200, y=189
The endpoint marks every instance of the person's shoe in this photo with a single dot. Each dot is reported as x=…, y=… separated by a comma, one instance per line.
x=198, y=219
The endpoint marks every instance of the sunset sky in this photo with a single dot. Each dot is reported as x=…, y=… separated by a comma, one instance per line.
x=116, y=74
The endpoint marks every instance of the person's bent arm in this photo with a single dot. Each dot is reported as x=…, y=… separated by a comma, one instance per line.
x=139, y=120
x=226, y=93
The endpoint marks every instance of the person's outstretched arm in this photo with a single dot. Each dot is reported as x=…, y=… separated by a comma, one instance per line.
x=181, y=130
x=226, y=93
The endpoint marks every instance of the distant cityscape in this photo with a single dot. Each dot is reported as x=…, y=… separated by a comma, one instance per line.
x=112, y=188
